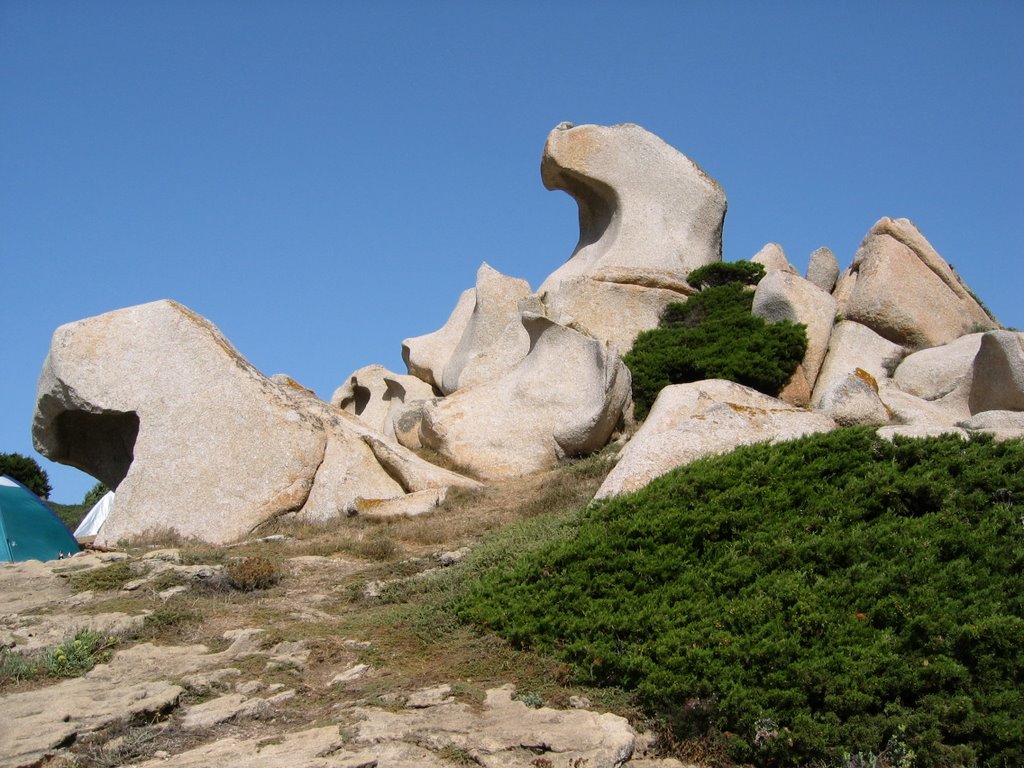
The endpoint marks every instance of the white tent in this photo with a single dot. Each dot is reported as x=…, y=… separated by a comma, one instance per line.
x=91, y=523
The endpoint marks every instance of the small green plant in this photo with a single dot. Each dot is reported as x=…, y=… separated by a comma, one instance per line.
x=105, y=579
x=14, y=667
x=530, y=699
x=725, y=272
x=169, y=618
x=77, y=655
x=252, y=573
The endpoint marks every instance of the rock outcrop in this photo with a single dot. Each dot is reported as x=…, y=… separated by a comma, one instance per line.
x=782, y=295
x=156, y=403
x=373, y=394
x=689, y=421
x=998, y=376
x=482, y=339
x=426, y=356
x=648, y=216
x=773, y=259
x=823, y=269
x=565, y=398
x=899, y=287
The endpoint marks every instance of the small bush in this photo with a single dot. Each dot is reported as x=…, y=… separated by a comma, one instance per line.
x=168, y=620
x=253, y=573
x=724, y=272
x=77, y=655
x=14, y=667
x=714, y=335
x=105, y=579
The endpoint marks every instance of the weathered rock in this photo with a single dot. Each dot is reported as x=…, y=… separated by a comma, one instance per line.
x=426, y=356
x=934, y=373
x=362, y=395
x=565, y=398
x=852, y=346
x=133, y=685
x=231, y=706
x=494, y=339
x=998, y=376
x=1003, y=425
x=156, y=403
x=782, y=295
x=854, y=401
x=796, y=391
x=903, y=290
x=372, y=393
x=646, y=210
x=689, y=421
x=648, y=216
x=610, y=311
x=410, y=505
x=912, y=410
x=823, y=269
x=504, y=732
x=773, y=259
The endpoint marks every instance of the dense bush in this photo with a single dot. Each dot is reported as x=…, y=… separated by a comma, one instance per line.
x=714, y=335
x=251, y=573
x=725, y=272
x=834, y=594
x=26, y=471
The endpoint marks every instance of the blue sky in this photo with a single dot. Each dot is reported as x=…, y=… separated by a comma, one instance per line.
x=322, y=179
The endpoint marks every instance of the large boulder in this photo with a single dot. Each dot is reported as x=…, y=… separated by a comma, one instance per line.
x=998, y=376
x=612, y=312
x=689, y=421
x=933, y=373
x=854, y=401
x=648, y=216
x=903, y=290
x=155, y=402
x=782, y=295
x=853, y=346
x=823, y=269
x=565, y=398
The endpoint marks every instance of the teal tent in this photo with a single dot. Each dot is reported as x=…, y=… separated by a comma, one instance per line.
x=28, y=528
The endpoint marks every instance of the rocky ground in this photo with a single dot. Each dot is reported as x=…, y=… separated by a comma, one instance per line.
x=350, y=659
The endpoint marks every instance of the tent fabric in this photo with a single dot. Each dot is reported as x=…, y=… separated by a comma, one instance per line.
x=29, y=530
x=92, y=522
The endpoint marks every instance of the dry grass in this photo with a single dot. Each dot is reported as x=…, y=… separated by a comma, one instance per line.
x=414, y=639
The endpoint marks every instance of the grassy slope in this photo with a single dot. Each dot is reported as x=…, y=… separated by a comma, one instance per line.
x=839, y=593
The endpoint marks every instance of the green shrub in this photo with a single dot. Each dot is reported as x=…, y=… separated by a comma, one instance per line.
x=26, y=471
x=105, y=579
x=714, y=335
x=251, y=573
x=833, y=595
x=14, y=667
x=725, y=272
x=77, y=655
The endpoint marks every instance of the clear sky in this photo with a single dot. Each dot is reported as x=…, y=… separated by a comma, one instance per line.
x=322, y=179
